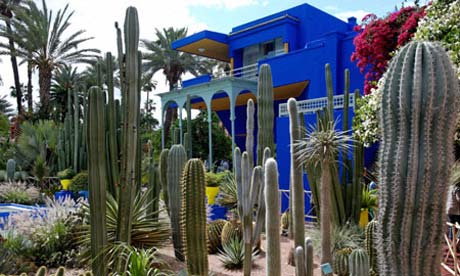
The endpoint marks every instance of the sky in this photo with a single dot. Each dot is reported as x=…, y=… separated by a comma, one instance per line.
x=97, y=17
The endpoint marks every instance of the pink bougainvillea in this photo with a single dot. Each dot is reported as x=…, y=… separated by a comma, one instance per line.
x=378, y=38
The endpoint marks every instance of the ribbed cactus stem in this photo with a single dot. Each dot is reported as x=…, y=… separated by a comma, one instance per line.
x=419, y=106
x=330, y=91
x=97, y=178
x=60, y=271
x=194, y=217
x=189, y=126
x=42, y=271
x=76, y=128
x=358, y=263
x=154, y=186
x=299, y=261
x=298, y=196
x=163, y=173
x=250, y=131
x=112, y=122
x=237, y=171
x=130, y=132
x=247, y=213
x=369, y=242
x=10, y=169
x=177, y=158
x=265, y=112
x=272, y=218
x=308, y=257
x=258, y=177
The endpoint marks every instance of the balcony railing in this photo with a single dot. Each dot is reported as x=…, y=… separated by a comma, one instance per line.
x=248, y=72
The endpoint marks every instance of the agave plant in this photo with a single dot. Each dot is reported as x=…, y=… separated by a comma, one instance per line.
x=145, y=230
x=228, y=192
x=138, y=262
x=232, y=255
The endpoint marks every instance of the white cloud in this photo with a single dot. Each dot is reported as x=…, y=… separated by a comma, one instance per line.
x=359, y=14
x=223, y=3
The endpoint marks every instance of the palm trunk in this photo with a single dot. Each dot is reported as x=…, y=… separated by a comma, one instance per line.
x=30, y=107
x=326, y=254
x=44, y=80
x=14, y=64
x=171, y=115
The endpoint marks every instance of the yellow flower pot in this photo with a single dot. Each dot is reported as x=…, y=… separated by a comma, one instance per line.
x=364, y=218
x=211, y=193
x=65, y=183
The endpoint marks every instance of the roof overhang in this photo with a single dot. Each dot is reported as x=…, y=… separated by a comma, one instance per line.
x=206, y=44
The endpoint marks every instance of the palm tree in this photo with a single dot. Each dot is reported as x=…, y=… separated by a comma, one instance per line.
x=40, y=40
x=65, y=79
x=5, y=107
x=320, y=147
x=6, y=11
x=90, y=74
x=160, y=56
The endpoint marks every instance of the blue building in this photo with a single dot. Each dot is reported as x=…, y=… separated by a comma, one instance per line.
x=296, y=43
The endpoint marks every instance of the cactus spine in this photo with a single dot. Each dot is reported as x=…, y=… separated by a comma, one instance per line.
x=131, y=125
x=163, y=172
x=358, y=263
x=272, y=218
x=369, y=241
x=97, y=178
x=10, y=169
x=298, y=205
x=420, y=98
x=176, y=162
x=265, y=112
x=194, y=217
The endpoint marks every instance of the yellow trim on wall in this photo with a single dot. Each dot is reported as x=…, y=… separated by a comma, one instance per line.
x=286, y=47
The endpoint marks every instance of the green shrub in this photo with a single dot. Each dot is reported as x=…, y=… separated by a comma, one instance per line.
x=66, y=174
x=80, y=182
x=215, y=179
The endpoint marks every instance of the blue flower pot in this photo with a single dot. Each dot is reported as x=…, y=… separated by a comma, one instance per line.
x=218, y=212
x=84, y=194
x=62, y=195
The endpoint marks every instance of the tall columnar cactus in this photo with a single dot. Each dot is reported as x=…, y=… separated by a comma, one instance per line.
x=177, y=158
x=97, y=174
x=237, y=171
x=419, y=106
x=258, y=177
x=112, y=124
x=272, y=218
x=193, y=214
x=265, y=112
x=299, y=261
x=250, y=132
x=298, y=196
x=76, y=129
x=163, y=173
x=10, y=169
x=130, y=93
x=154, y=186
x=369, y=241
x=247, y=213
x=358, y=263
x=308, y=257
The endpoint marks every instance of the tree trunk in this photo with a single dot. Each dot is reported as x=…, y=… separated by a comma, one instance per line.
x=326, y=254
x=44, y=80
x=14, y=64
x=171, y=116
x=30, y=105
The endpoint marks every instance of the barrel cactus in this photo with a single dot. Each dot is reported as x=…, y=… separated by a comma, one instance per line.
x=215, y=235
x=358, y=263
x=193, y=212
x=232, y=230
x=420, y=103
x=340, y=261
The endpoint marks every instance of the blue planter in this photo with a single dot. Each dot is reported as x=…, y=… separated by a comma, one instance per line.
x=62, y=195
x=84, y=194
x=218, y=212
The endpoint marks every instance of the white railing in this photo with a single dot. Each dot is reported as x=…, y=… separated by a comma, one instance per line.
x=313, y=105
x=248, y=72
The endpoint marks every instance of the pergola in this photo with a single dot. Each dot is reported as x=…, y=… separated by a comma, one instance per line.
x=231, y=86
